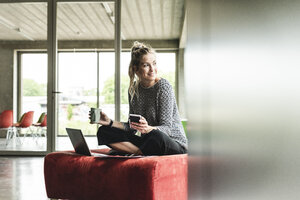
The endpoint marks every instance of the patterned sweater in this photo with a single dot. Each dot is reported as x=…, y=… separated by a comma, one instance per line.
x=157, y=105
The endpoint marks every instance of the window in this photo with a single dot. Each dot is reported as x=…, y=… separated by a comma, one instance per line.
x=86, y=79
x=77, y=82
x=34, y=83
x=166, y=63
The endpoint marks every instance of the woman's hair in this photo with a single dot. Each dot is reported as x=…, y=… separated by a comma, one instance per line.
x=138, y=50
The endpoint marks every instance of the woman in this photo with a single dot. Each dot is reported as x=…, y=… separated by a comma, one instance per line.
x=160, y=128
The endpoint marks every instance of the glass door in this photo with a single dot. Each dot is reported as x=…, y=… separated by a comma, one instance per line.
x=83, y=69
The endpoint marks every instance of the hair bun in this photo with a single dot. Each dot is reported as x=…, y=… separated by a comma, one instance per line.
x=138, y=45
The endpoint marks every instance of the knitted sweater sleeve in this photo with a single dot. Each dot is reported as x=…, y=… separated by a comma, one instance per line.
x=166, y=100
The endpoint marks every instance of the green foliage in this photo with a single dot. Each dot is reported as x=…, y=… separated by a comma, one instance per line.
x=109, y=87
x=86, y=127
x=92, y=104
x=109, y=90
x=91, y=92
x=32, y=88
x=170, y=76
x=124, y=89
x=70, y=112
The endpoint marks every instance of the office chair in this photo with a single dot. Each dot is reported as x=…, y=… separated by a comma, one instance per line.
x=24, y=123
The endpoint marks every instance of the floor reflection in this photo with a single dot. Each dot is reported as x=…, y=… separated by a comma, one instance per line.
x=21, y=178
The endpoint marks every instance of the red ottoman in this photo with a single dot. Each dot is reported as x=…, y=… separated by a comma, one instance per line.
x=72, y=176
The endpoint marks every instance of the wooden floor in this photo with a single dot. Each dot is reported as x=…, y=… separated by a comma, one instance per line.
x=22, y=178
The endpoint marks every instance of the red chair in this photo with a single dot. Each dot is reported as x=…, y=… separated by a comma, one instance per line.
x=24, y=123
x=6, y=119
x=6, y=122
x=41, y=126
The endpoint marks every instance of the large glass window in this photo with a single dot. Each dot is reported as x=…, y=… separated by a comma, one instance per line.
x=34, y=83
x=77, y=78
x=86, y=79
x=107, y=83
x=166, y=63
x=125, y=60
x=34, y=98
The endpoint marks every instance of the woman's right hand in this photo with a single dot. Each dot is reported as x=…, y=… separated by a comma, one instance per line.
x=104, y=119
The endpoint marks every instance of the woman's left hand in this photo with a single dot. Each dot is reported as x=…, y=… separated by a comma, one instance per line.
x=142, y=126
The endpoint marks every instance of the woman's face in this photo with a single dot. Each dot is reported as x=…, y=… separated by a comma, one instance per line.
x=147, y=70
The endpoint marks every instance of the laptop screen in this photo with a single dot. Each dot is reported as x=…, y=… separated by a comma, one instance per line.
x=78, y=141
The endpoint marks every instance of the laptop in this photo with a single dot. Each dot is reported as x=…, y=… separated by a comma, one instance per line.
x=79, y=143
x=81, y=147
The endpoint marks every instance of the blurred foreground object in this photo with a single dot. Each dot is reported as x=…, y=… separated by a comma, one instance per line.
x=243, y=92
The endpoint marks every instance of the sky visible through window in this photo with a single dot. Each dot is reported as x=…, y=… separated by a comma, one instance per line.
x=37, y=62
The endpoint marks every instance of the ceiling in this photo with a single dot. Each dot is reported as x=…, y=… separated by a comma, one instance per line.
x=140, y=19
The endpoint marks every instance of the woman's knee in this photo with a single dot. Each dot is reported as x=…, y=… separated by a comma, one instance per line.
x=159, y=143
x=154, y=143
x=102, y=131
x=157, y=136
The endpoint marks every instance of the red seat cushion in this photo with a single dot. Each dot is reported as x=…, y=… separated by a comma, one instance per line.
x=72, y=176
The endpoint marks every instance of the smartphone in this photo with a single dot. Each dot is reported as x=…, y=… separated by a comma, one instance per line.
x=134, y=118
